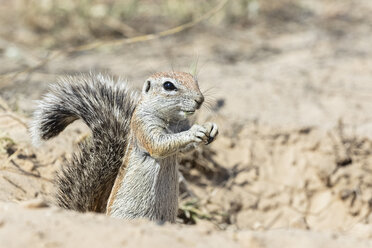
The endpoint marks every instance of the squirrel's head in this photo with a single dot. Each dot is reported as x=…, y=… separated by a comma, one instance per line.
x=172, y=95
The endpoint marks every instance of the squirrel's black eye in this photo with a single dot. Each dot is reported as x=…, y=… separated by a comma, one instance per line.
x=169, y=86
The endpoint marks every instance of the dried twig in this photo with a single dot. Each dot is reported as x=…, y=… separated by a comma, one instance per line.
x=14, y=184
x=28, y=174
x=8, y=113
x=11, y=157
x=14, y=117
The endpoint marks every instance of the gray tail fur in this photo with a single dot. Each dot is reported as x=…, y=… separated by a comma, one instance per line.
x=106, y=107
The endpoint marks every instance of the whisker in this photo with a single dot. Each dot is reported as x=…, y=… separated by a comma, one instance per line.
x=210, y=100
x=194, y=67
x=208, y=105
x=207, y=109
x=210, y=90
x=172, y=65
x=202, y=67
x=210, y=113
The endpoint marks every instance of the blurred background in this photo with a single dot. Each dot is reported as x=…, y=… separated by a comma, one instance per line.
x=307, y=59
x=288, y=82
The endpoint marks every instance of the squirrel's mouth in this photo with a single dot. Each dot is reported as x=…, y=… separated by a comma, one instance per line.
x=189, y=112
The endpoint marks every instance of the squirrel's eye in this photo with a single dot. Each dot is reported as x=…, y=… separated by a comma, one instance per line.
x=169, y=86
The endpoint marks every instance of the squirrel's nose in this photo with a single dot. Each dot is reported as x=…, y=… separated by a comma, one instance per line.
x=199, y=101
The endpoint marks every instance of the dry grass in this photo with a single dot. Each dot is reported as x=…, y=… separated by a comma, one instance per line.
x=58, y=24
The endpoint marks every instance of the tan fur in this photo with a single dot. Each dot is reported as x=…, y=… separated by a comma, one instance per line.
x=143, y=140
x=183, y=77
x=118, y=182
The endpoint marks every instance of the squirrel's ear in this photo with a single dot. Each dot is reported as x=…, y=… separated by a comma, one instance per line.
x=147, y=86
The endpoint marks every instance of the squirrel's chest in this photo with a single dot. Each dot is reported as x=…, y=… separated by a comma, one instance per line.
x=149, y=189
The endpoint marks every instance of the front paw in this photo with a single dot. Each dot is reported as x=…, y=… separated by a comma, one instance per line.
x=198, y=134
x=212, y=132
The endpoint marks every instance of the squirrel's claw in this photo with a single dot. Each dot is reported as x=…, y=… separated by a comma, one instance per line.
x=212, y=132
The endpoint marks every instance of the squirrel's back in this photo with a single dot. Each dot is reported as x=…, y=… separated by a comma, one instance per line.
x=106, y=106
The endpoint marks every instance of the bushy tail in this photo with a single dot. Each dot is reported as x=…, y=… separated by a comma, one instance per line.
x=106, y=107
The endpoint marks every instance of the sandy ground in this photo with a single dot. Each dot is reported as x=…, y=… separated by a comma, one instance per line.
x=56, y=228
x=292, y=166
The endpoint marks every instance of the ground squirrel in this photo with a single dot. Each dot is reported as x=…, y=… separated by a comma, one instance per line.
x=128, y=168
